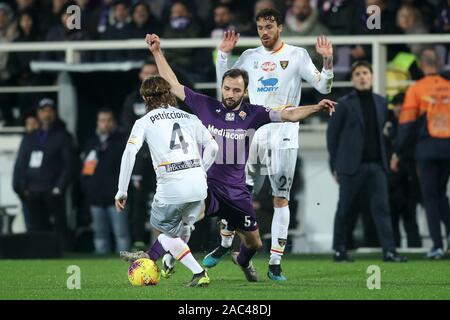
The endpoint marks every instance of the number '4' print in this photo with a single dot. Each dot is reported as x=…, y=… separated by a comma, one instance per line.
x=176, y=131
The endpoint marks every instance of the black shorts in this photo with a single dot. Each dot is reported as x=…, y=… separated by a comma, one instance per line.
x=238, y=211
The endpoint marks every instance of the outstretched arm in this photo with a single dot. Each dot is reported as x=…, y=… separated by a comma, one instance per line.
x=299, y=113
x=230, y=38
x=164, y=69
x=321, y=81
x=325, y=49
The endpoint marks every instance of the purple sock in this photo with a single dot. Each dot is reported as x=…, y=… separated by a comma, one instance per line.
x=156, y=251
x=245, y=255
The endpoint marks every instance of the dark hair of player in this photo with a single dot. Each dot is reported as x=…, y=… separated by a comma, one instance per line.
x=155, y=91
x=270, y=14
x=236, y=73
x=361, y=63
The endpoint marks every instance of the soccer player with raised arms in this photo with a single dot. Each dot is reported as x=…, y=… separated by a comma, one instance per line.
x=173, y=137
x=276, y=71
x=232, y=123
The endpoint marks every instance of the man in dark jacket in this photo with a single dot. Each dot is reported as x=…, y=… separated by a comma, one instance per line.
x=44, y=171
x=358, y=160
x=404, y=189
x=101, y=165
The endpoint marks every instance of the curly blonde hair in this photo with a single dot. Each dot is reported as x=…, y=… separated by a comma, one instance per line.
x=155, y=91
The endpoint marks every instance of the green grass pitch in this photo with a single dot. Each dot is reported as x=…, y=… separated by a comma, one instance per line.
x=310, y=277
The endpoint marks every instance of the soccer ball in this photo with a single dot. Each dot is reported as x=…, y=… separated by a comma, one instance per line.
x=144, y=272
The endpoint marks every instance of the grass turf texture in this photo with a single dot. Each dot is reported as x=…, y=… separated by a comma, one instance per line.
x=309, y=277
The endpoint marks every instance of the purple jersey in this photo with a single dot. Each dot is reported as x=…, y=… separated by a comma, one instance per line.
x=233, y=132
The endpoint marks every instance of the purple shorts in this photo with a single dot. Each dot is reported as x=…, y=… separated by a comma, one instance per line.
x=232, y=203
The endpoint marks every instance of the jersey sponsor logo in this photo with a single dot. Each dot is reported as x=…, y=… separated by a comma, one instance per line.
x=268, y=85
x=183, y=165
x=229, y=116
x=132, y=140
x=284, y=64
x=238, y=134
x=243, y=115
x=268, y=66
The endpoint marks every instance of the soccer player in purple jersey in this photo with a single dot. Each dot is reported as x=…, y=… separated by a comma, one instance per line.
x=232, y=122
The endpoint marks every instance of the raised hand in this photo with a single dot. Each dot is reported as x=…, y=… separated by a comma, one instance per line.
x=153, y=42
x=328, y=105
x=230, y=38
x=324, y=47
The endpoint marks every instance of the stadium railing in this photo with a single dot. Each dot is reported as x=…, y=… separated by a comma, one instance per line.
x=378, y=44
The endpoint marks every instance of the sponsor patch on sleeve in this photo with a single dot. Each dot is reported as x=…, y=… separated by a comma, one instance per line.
x=132, y=140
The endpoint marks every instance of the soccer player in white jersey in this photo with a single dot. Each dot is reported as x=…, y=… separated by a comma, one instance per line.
x=173, y=137
x=276, y=71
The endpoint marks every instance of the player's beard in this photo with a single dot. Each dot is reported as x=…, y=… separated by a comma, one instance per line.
x=271, y=43
x=233, y=105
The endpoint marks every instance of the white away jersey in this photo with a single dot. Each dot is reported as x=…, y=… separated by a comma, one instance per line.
x=174, y=137
x=275, y=80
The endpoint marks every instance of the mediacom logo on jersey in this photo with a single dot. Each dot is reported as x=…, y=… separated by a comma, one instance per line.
x=268, y=84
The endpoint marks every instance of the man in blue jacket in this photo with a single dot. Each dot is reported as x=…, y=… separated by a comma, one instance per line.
x=358, y=160
x=44, y=170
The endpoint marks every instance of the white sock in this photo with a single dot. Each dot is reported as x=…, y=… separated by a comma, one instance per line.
x=185, y=233
x=226, y=235
x=280, y=226
x=168, y=260
x=180, y=250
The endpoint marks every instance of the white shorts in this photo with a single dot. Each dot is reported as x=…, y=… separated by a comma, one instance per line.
x=170, y=218
x=277, y=164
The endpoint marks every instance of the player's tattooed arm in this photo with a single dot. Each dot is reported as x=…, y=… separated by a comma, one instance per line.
x=164, y=68
x=299, y=113
x=328, y=63
x=325, y=49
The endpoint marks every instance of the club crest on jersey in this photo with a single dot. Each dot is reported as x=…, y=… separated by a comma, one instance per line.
x=255, y=64
x=218, y=110
x=243, y=115
x=229, y=116
x=284, y=64
x=268, y=66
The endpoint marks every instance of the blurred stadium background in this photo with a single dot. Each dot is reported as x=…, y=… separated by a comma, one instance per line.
x=98, y=66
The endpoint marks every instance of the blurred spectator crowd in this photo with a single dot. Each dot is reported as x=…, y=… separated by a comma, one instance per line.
x=49, y=20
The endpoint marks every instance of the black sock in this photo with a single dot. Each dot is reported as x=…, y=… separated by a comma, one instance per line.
x=199, y=274
x=220, y=251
